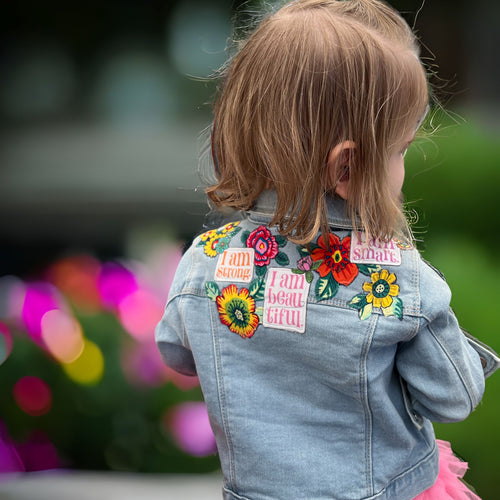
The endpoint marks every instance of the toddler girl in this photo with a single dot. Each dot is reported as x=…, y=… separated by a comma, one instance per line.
x=324, y=344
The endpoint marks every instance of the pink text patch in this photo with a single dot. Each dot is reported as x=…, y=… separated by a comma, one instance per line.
x=374, y=251
x=285, y=300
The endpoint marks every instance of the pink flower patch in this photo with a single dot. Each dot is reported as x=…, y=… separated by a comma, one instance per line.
x=264, y=244
x=305, y=264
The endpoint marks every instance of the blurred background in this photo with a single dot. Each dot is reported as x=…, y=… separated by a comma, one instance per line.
x=101, y=108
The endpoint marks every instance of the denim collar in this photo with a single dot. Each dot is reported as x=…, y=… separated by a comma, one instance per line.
x=265, y=206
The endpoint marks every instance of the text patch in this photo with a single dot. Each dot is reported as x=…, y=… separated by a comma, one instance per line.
x=285, y=300
x=374, y=251
x=235, y=264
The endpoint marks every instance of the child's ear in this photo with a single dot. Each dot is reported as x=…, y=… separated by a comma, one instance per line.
x=337, y=168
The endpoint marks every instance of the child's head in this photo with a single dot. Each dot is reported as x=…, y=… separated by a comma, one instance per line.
x=316, y=103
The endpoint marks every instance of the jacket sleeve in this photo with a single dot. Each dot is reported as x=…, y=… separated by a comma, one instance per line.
x=490, y=360
x=442, y=370
x=170, y=333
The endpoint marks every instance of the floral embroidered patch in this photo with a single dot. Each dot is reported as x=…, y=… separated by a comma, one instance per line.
x=266, y=246
x=237, y=308
x=215, y=241
x=334, y=259
x=306, y=266
x=382, y=293
x=231, y=227
x=332, y=262
x=404, y=245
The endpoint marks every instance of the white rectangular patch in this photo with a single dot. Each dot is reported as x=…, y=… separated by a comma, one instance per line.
x=285, y=300
x=374, y=251
x=235, y=264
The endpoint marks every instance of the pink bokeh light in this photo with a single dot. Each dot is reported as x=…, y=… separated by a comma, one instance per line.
x=139, y=313
x=162, y=264
x=115, y=282
x=190, y=427
x=39, y=298
x=142, y=366
x=33, y=396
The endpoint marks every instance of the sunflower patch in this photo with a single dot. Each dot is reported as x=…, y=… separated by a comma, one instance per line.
x=285, y=300
x=215, y=241
x=382, y=293
x=236, y=307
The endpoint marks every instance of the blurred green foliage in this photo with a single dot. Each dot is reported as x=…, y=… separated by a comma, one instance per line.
x=113, y=424
x=452, y=182
x=453, y=179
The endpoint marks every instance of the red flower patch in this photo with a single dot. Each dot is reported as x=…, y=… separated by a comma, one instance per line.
x=264, y=244
x=335, y=259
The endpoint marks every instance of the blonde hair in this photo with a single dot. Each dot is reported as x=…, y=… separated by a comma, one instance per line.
x=311, y=76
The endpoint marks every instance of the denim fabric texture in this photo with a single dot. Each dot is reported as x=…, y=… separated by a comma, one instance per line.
x=342, y=410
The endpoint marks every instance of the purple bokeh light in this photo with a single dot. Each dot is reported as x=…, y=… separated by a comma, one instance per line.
x=143, y=366
x=39, y=299
x=189, y=424
x=115, y=282
x=38, y=453
x=9, y=458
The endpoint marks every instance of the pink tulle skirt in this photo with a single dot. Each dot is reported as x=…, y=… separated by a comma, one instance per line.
x=448, y=485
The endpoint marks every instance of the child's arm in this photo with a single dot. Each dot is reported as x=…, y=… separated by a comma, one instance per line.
x=170, y=334
x=173, y=349
x=443, y=372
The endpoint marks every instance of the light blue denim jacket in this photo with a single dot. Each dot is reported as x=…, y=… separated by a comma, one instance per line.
x=321, y=369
